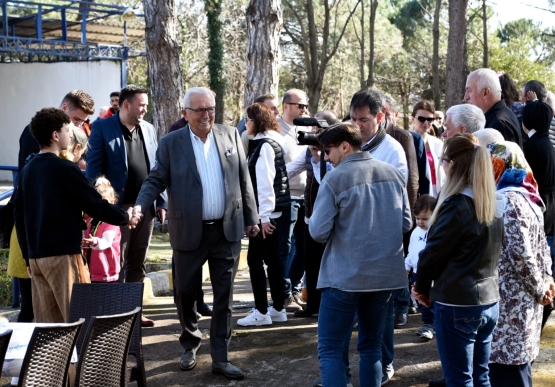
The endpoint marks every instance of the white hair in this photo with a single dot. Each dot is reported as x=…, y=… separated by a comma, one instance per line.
x=467, y=115
x=197, y=91
x=488, y=136
x=487, y=78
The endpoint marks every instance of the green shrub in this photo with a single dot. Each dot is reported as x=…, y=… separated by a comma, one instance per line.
x=5, y=280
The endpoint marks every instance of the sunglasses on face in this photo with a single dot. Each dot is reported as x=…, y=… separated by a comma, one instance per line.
x=327, y=151
x=301, y=106
x=424, y=119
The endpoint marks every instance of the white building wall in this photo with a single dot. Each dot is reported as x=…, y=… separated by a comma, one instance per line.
x=25, y=88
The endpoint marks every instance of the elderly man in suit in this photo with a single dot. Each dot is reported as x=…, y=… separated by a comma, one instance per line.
x=211, y=199
x=123, y=148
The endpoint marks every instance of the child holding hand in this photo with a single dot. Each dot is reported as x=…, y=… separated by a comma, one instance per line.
x=423, y=209
x=102, y=240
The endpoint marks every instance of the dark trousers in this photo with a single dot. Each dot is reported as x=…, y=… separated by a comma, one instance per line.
x=503, y=375
x=26, y=313
x=313, y=259
x=134, y=247
x=200, y=292
x=266, y=251
x=223, y=258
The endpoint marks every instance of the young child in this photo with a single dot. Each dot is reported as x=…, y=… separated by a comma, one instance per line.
x=102, y=240
x=423, y=209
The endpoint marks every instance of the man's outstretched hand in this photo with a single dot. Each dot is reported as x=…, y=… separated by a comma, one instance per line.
x=135, y=216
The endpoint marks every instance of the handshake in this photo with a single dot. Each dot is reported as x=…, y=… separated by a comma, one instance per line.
x=135, y=215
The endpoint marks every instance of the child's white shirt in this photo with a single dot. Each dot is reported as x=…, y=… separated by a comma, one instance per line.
x=416, y=245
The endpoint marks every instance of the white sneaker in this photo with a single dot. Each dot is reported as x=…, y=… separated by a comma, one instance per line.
x=277, y=316
x=255, y=319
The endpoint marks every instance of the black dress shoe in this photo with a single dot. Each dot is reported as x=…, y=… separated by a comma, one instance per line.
x=400, y=320
x=437, y=383
x=204, y=309
x=413, y=310
x=227, y=369
x=189, y=359
x=306, y=312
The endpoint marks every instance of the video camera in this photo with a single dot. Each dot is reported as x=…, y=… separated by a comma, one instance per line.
x=309, y=138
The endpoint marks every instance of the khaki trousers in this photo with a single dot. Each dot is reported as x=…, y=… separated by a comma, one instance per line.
x=52, y=280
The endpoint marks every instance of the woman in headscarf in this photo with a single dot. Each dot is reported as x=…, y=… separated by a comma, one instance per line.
x=524, y=269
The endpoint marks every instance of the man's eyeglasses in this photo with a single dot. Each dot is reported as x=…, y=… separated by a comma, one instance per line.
x=327, y=151
x=200, y=112
x=301, y=106
x=424, y=119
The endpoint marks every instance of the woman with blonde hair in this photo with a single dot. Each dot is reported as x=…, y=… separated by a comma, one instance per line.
x=77, y=146
x=458, y=267
x=422, y=119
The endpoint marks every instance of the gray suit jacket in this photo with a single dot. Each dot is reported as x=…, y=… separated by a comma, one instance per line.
x=176, y=170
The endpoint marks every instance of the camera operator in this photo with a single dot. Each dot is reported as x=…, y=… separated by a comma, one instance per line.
x=309, y=161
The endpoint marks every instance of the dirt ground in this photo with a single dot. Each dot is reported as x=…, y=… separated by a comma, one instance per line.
x=281, y=355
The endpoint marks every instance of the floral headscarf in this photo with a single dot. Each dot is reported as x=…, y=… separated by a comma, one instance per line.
x=512, y=172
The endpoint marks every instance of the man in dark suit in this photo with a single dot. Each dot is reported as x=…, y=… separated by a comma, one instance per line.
x=483, y=89
x=123, y=148
x=211, y=199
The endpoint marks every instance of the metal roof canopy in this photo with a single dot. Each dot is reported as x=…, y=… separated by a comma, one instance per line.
x=32, y=38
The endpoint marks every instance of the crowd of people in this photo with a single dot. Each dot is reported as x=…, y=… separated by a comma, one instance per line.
x=454, y=217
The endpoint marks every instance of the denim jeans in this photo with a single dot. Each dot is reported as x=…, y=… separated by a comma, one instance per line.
x=388, y=344
x=294, y=264
x=285, y=230
x=464, y=335
x=335, y=324
x=401, y=300
x=427, y=313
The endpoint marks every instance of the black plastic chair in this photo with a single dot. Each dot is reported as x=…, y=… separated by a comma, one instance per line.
x=104, y=299
x=46, y=361
x=4, y=342
x=103, y=356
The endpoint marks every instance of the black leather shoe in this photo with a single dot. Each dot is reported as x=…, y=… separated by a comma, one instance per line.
x=437, y=383
x=189, y=359
x=227, y=369
x=204, y=309
x=400, y=320
x=306, y=312
x=413, y=310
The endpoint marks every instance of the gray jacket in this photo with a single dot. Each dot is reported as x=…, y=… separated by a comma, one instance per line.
x=361, y=212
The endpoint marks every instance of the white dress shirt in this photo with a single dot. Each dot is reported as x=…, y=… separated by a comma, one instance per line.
x=391, y=152
x=211, y=176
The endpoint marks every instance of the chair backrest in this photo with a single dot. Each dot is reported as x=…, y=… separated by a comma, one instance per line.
x=46, y=361
x=104, y=299
x=103, y=356
x=4, y=342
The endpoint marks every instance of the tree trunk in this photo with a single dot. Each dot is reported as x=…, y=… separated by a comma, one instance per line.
x=435, y=60
x=362, y=48
x=373, y=9
x=264, y=21
x=164, y=67
x=454, y=83
x=217, y=80
x=485, y=24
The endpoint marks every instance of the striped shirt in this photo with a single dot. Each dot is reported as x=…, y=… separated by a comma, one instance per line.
x=211, y=176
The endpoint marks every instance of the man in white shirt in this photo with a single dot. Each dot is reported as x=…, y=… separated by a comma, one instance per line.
x=366, y=112
x=295, y=104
